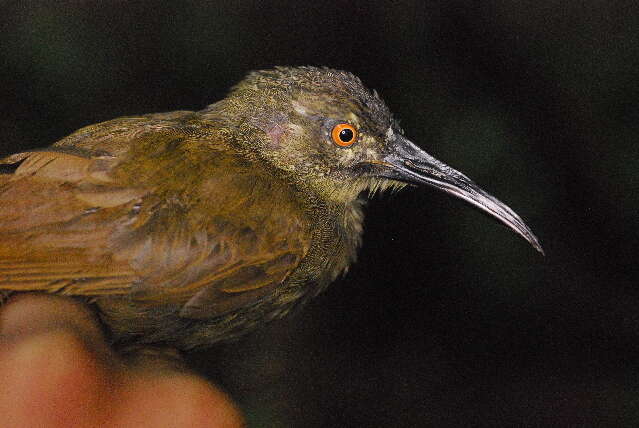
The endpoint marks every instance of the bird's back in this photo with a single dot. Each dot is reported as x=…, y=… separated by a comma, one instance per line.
x=151, y=214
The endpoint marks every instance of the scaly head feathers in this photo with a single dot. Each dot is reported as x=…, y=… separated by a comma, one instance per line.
x=330, y=135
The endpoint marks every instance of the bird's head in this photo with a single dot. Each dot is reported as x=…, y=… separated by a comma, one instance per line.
x=329, y=133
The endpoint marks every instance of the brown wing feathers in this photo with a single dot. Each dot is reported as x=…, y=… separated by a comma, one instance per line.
x=44, y=230
x=70, y=224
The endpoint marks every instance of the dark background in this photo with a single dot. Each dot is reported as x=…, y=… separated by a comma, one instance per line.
x=448, y=319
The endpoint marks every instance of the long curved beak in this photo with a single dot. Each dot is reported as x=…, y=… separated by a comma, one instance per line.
x=408, y=163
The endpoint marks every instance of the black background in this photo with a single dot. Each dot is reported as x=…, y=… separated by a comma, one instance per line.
x=447, y=319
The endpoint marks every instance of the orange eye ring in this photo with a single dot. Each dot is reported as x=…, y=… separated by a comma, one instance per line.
x=344, y=134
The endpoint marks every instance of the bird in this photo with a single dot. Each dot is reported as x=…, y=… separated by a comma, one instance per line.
x=188, y=228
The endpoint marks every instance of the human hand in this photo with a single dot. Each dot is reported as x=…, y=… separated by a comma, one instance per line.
x=56, y=370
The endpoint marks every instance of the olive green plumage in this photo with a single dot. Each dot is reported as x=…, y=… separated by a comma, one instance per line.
x=186, y=228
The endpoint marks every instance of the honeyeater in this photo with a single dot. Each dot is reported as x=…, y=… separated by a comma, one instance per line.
x=190, y=227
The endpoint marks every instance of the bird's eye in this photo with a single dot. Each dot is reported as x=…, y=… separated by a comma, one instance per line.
x=344, y=134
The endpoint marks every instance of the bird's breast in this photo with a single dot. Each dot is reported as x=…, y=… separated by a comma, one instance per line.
x=336, y=238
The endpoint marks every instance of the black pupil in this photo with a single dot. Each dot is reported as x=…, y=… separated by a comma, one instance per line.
x=346, y=135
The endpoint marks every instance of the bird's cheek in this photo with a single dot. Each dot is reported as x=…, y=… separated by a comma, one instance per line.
x=276, y=126
x=366, y=155
x=276, y=133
